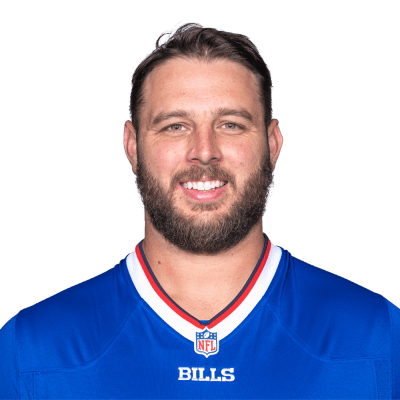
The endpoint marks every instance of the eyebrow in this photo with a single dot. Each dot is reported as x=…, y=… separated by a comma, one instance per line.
x=162, y=116
x=241, y=112
x=220, y=112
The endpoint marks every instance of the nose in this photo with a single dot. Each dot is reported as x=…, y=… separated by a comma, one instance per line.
x=204, y=147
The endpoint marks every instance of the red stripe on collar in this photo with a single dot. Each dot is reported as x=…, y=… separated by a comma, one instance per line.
x=186, y=316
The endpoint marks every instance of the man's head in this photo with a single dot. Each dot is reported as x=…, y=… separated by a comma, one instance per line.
x=201, y=112
x=192, y=41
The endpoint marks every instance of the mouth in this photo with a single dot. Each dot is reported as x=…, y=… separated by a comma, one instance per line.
x=204, y=190
x=203, y=185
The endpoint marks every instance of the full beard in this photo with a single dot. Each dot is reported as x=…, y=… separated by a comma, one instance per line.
x=216, y=233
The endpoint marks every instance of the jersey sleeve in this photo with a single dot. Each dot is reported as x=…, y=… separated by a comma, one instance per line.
x=8, y=362
x=395, y=336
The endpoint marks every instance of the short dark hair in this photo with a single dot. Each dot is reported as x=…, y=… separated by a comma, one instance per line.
x=194, y=41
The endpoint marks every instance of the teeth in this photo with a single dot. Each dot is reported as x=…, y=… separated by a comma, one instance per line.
x=208, y=185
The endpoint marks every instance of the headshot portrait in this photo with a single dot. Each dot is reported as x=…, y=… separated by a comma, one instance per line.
x=200, y=202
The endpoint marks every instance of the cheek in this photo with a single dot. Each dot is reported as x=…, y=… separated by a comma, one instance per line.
x=166, y=158
x=243, y=158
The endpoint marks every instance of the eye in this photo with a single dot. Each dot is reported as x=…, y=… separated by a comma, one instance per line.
x=175, y=128
x=231, y=126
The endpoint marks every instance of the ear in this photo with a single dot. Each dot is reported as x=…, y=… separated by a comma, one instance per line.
x=275, y=141
x=130, y=144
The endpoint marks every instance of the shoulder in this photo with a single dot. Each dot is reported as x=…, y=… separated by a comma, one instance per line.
x=73, y=326
x=331, y=315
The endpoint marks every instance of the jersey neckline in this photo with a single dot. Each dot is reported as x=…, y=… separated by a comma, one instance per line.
x=225, y=321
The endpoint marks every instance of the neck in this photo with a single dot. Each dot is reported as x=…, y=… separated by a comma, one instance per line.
x=202, y=284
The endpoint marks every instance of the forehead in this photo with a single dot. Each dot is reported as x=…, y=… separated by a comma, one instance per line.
x=200, y=87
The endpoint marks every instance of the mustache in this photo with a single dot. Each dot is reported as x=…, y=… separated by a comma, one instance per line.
x=195, y=173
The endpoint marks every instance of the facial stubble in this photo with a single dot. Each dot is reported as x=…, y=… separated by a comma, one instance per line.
x=212, y=235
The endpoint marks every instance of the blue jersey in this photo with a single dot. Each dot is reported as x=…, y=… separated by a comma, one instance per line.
x=294, y=331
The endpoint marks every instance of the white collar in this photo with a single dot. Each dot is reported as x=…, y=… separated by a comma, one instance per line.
x=228, y=320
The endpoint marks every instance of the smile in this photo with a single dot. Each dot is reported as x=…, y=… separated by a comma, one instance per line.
x=207, y=185
x=204, y=191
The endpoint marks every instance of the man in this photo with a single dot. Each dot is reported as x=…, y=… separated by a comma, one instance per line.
x=206, y=306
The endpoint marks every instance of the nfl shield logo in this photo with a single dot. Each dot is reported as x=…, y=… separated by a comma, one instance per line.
x=206, y=343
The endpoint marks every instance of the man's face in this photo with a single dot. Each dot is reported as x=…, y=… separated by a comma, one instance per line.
x=203, y=168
